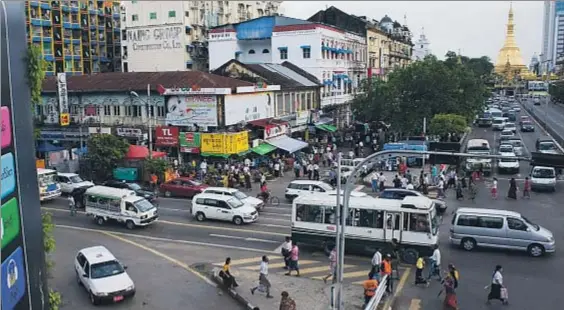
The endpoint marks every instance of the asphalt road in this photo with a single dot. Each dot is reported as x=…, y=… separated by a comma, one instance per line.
x=533, y=283
x=160, y=282
x=552, y=114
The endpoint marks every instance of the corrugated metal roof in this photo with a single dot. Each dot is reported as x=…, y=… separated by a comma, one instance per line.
x=289, y=74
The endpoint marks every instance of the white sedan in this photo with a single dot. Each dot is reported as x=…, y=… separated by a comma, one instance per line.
x=510, y=127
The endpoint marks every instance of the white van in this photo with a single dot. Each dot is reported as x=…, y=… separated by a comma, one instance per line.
x=493, y=228
x=121, y=205
x=543, y=178
x=71, y=181
x=233, y=192
x=222, y=208
x=498, y=123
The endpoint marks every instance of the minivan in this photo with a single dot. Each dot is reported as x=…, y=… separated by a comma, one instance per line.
x=492, y=228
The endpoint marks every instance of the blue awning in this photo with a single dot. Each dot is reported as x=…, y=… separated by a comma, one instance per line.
x=238, y=53
x=188, y=27
x=44, y=146
x=283, y=48
x=287, y=144
x=81, y=151
x=305, y=46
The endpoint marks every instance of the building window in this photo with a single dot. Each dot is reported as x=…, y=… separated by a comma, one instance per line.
x=265, y=51
x=128, y=110
x=171, y=14
x=136, y=111
x=107, y=110
x=279, y=105
x=117, y=111
x=186, y=14
x=237, y=56
x=134, y=17
x=153, y=15
x=189, y=65
x=251, y=51
x=151, y=111
x=160, y=111
x=306, y=52
x=283, y=54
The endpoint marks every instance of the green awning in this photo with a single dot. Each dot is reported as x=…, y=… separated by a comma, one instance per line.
x=329, y=128
x=214, y=155
x=263, y=149
x=243, y=153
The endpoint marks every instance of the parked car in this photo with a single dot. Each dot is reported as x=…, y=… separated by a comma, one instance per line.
x=182, y=187
x=139, y=191
x=71, y=181
x=527, y=126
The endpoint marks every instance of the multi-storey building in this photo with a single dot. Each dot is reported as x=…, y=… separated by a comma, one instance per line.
x=171, y=35
x=552, y=34
x=334, y=56
x=421, y=47
x=76, y=37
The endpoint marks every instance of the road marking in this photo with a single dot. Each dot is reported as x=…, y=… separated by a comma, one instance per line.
x=243, y=238
x=415, y=304
x=279, y=214
x=546, y=131
x=399, y=288
x=274, y=219
x=206, y=244
x=273, y=225
x=277, y=265
x=162, y=255
x=244, y=261
x=196, y=225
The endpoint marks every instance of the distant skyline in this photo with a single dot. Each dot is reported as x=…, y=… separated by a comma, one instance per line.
x=476, y=28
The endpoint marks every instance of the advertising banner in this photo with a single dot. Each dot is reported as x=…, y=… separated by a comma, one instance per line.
x=225, y=143
x=213, y=143
x=248, y=107
x=63, y=99
x=200, y=110
x=166, y=136
x=189, y=142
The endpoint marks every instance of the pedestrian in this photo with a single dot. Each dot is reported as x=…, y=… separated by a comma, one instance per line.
x=382, y=180
x=527, y=188
x=316, y=171
x=441, y=188
x=264, y=284
x=332, y=266
x=387, y=271
x=309, y=171
x=494, y=188
x=377, y=260
x=435, y=269
x=397, y=182
x=374, y=183
x=285, y=251
x=277, y=169
x=450, y=283
x=459, y=194
x=496, y=286
x=370, y=286
x=512, y=193
x=434, y=174
x=72, y=204
x=225, y=274
x=287, y=303
x=420, y=265
x=294, y=256
x=248, y=185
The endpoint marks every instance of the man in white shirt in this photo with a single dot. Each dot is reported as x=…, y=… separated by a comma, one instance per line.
x=382, y=180
x=435, y=269
x=277, y=169
x=441, y=188
x=410, y=186
x=285, y=251
x=351, y=154
x=316, y=171
x=376, y=261
x=264, y=284
x=204, y=166
x=247, y=162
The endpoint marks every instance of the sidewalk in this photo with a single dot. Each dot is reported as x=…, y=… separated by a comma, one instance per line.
x=308, y=294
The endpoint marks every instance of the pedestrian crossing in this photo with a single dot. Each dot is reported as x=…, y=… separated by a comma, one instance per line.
x=312, y=269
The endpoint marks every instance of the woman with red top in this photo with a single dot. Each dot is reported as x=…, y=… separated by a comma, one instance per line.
x=527, y=188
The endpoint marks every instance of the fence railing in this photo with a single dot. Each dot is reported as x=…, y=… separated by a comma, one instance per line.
x=380, y=292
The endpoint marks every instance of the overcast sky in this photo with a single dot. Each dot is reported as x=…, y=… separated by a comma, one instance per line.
x=477, y=28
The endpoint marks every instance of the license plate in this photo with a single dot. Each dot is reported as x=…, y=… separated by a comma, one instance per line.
x=118, y=298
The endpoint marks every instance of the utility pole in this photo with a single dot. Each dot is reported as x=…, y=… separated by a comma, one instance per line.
x=150, y=120
x=338, y=286
x=424, y=136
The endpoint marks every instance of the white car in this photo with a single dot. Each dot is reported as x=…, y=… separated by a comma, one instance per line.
x=498, y=123
x=510, y=126
x=102, y=275
x=506, y=150
x=299, y=187
x=505, y=133
x=253, y=201
x=508, y=164
x=222, y=208
x=71, y=181
x=518, y=146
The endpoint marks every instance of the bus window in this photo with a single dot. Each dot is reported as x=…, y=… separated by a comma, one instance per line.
x=418, y=223
x=329, y=215
x=393, y=221
x=309, y=213
x=92, y=199
x=370, y=218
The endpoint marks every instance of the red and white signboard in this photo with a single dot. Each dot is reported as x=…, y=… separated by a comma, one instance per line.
x=166, y=136
x=275, y=130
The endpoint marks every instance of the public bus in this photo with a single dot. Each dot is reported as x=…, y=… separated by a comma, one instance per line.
x=372, y=223
x=49, y=187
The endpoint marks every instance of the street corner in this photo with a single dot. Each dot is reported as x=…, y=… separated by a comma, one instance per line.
x=148, y=270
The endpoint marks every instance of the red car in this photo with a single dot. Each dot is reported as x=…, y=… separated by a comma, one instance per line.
x=182, y=187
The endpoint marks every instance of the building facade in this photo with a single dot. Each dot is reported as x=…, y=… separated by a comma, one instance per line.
x=171, y=35
x=76, y=37
x=552, y=34
x=421, y=48
x=335, y=57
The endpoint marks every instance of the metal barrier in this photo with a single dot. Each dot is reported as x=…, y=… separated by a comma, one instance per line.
x=380, y=292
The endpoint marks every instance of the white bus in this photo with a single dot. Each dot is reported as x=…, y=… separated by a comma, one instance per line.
x=411, y=222
x=49, y=187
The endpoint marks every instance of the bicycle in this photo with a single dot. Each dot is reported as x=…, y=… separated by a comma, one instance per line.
x=271, y=200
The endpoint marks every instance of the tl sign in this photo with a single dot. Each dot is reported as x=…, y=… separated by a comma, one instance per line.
x=166, y=136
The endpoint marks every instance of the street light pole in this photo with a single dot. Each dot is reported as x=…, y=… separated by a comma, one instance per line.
x=149, y=118
x=338, y=287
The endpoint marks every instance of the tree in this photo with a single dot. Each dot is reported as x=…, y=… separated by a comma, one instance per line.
x=157, y=166
x=443, y=124
x=104, y=152
x=35, y=73
x=373, y=102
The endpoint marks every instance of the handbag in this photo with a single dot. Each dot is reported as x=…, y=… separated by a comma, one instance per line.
x=503, y=293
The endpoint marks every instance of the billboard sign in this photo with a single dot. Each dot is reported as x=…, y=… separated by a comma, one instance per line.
x=200, y=110
x=166, y=136
x=64, y=110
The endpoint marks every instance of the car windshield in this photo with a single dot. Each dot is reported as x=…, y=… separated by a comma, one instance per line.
x=506, y=149
x=143, y=205
x=527, y=123
x=510, y=125
x=240, y=195
x=546, y=146
x=537, y=227
x=134, y=186
x=76, y=179
x=506, y=133
x=47, y=179
x=436, y=220
x=509, y=160
x=497, y=121
x=106, y=269
x=516, y=143
x=235, y=203
x=543, y=173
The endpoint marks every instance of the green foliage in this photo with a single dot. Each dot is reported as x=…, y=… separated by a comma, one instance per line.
x=443, y=124
x=157, y=166
x=104, y=153
x=422, y=90
x=35, y=73
x=49, y=244
x=55, y=300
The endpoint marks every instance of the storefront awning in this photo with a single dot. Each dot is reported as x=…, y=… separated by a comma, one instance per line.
x=323, y=120
x=141, y=152
x=214, y=155
x=287, y=144
x=45, y=146
x=263, y=148
x=329, y=128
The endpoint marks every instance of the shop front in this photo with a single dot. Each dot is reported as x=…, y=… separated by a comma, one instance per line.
x=275, y=133
x=133, y=135
x=166, y=140
x=224, y=145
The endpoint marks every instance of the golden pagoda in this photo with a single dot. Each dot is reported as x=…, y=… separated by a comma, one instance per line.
x=509, y=62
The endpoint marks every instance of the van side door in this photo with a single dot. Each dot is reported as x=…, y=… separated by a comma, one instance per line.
x=130, y=210
x=518, y=234
x=492, y=230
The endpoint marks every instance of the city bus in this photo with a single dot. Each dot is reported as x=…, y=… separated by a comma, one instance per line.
x=372, y=223
x=49, y=187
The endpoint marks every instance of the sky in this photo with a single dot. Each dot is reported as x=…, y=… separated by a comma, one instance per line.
x=476, y=28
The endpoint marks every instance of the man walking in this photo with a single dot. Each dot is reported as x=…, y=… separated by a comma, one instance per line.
x=72, y=205
x=435, y=269
x=264, y=284
x=294, y=256
x=285, y=251
x=287, y=303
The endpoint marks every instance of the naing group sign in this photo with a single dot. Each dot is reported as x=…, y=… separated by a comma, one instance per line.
x=225, y=143
x=156, y=38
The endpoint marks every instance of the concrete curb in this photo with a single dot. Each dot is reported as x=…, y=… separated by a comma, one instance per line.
x=553, y=134
x=214, y=276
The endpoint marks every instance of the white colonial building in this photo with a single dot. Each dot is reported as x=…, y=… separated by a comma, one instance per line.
x=335, y=57
x=170, y=35
x=421, y=47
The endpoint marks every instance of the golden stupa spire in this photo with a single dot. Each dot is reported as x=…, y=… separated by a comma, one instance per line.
x=510, y=52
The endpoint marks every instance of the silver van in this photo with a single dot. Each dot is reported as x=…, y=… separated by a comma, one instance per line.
x=472, y=227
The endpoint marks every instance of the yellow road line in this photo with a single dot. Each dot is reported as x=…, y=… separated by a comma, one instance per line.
x=257, y=267
x=399, y=288
x=162, y=255
x=415, y=304
x=315, y=270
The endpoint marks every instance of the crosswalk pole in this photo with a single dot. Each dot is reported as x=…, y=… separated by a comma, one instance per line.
x=338, y=275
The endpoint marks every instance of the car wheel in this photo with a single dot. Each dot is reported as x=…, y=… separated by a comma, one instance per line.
x=168, y=194
x=129, y=224
x=468, y=244
x=100, y=220
x=93, y=299
x=200, y=217
x=535, y=250
x=409, y=256
x=237, y=220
